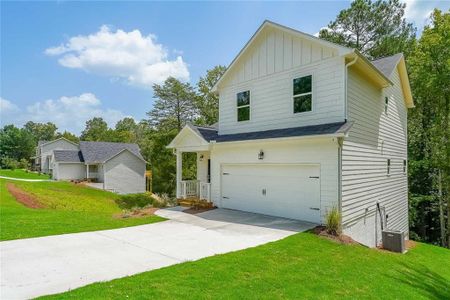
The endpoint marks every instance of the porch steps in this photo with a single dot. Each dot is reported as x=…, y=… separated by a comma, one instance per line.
x=195, y=202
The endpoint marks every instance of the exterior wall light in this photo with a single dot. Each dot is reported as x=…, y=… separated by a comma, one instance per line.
x=261, y=154
x=200, y=157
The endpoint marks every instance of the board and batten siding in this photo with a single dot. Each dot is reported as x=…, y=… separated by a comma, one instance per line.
x=374, y=138
x=267, y=69
x=317, y=151
x=124, y=174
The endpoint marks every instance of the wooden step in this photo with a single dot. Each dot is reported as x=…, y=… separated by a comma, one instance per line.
x=195, y=202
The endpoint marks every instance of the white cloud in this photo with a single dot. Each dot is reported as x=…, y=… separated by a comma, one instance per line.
x=419, y=12
x=137, y=59
x=7, y=106
x=68, y=113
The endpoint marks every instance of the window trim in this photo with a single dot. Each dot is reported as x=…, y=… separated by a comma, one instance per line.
x=247, y=105
x=296, y=76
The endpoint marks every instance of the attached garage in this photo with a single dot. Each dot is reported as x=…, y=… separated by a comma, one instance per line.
x=284, y=190
x=69, y=171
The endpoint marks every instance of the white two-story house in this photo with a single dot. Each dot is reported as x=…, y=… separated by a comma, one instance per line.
x=306, y=125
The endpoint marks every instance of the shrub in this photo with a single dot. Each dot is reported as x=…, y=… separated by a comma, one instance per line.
x=10, y=163
x=23, y=164
x=163, y=200
x=134, y=200
x=333, y=221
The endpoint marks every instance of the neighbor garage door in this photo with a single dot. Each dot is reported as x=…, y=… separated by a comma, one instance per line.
x=290, y=191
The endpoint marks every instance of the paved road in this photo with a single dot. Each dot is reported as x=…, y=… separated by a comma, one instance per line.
x=48, y=265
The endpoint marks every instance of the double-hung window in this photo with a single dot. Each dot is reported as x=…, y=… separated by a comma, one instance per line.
x=243, y=106
x=302, y=94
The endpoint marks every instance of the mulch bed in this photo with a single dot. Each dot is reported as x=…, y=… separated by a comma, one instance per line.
x=138, y=213
x=194, y=211
x=342, y=238
x=23, y=197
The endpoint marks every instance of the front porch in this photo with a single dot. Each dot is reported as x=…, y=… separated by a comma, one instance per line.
x=195, y=188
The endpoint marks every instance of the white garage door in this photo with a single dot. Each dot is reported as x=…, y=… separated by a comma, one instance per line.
x=289, y=191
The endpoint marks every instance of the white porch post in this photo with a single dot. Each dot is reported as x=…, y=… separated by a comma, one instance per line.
x=87, y=171
x=179, y=172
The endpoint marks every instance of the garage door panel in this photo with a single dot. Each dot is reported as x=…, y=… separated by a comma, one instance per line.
x=291, y=191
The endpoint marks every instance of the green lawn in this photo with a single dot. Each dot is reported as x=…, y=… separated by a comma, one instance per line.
x=19, y=173
x=302, y=266
x=69, y=208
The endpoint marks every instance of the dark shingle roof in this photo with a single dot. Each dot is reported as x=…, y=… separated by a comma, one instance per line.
x=210, y=134
x=68, y=156
x=102, y=151
x=386, y=65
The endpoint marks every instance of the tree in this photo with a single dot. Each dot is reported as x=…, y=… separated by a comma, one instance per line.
x=16, y=143
x=41, y=131
x=96, y=130
x=376, y=28
x=125, y=131
x=208, y=102
x=174, y=105
x=430, y=78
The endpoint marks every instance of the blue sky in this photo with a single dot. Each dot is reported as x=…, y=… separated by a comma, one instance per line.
x=66, y=62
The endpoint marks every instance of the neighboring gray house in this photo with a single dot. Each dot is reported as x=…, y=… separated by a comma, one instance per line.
x=306, y=125
x=119, y=167
x=44, y=152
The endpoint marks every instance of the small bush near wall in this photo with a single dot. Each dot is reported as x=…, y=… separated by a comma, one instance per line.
x=333, y=222
x=134, y=201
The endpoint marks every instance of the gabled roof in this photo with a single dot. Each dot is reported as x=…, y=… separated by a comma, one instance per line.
x=335, y=129
x=387, y=64
x=341, y=50
x=99, y=152
x=126, y=150
x=42, y=143
x=197, y=131
x=73, y=156
x=363, y=63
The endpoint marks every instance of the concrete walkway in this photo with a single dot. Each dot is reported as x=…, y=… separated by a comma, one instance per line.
x=53, y=264
x=25, y=179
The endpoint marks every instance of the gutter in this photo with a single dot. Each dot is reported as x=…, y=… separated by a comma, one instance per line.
x=345, y=85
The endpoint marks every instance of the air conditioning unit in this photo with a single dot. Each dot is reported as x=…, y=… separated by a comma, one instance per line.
x=393, y=240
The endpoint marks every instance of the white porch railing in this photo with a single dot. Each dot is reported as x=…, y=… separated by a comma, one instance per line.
x=195, y=188
x=205, y=191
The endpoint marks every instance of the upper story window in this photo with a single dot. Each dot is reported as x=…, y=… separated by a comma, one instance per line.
x=386, y=104
x=243, y=106
x=302, y=93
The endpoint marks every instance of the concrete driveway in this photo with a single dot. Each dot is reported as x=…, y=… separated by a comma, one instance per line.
x=48, y=265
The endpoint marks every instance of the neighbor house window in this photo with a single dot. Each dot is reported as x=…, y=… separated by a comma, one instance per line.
x=302, y=93
x=386, y=104
x=404, y=166
x=243, y=106
x=388, y=166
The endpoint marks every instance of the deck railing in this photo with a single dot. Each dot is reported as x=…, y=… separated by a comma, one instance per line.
x=195, y=188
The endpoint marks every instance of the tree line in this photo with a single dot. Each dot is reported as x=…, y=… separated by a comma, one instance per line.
x=377, y=29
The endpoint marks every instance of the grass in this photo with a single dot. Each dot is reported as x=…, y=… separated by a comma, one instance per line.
x=20, y=173
x=302, y=266
x=69, y=208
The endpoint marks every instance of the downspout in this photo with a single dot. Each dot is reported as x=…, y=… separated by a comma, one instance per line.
x=340, y=142
x=345, y=85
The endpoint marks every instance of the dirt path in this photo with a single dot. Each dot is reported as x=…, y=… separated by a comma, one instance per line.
x=23, y=197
